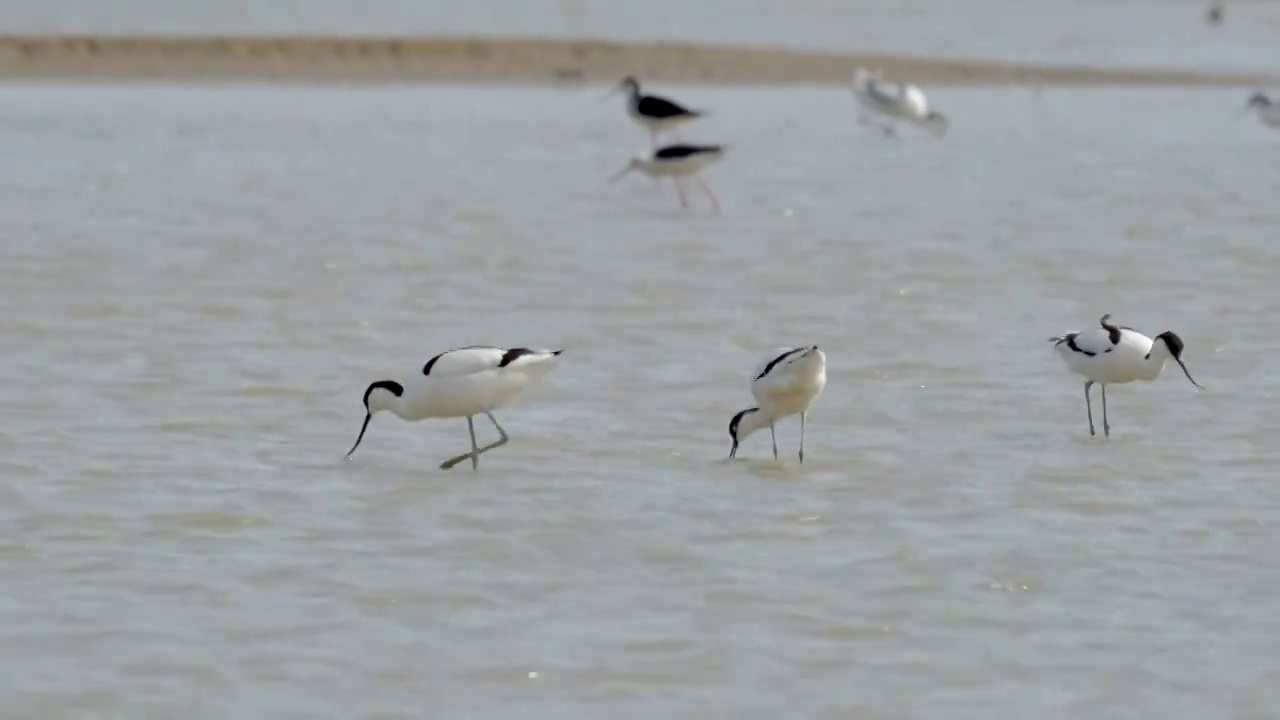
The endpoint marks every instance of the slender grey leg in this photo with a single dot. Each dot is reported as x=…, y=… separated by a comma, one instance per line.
x=802, y=438
x=1106, y=426
x=471, y=429
x=476, y=453
x=774, y=435
x=502, y=434
x=1088, y=384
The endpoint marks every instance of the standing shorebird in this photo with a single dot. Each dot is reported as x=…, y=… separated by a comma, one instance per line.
x=1267, y=110
x=786, y=382
x=1113, y=355
x=656, y=114
x=678, y=162
x=464, y=382
x=893, y=101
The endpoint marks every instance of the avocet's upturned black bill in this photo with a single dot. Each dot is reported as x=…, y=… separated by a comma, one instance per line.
x=656, y=114
x=785, y=382
x=1115, y=354
x=678, y=162
x=464, y=382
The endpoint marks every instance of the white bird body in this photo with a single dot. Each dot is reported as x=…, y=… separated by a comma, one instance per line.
x=677, y=162
x=787, y=381
x=1091, y=354
x=1115, y=355
x=895, y=101
x=468, y=381
x=463, y=382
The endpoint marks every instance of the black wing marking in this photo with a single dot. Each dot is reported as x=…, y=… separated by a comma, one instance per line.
x=673, y=152
x=653, y=106
x=777, y=360
x=1113, y=331
x=1070, y=340
x=886, y=92
x=511, y=355
x=1071, y=343
x=426, y=369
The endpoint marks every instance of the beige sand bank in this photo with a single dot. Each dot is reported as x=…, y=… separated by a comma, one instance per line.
x=438, y=59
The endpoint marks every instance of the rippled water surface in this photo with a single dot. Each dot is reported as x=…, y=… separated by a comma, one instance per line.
x=198, y=283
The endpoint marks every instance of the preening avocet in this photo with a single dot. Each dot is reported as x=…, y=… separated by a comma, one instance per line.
x=678, y=162
x=656, y=114
x=893, y=101
x=1114, y=354
x=1267, y=110
x=464, y=382
x=785, y=382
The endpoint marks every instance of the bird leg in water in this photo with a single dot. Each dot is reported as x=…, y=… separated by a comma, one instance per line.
x=1088, y=406
x=775, y=440
x=802, y=438
x=1106, y=426
x=715, y=201
x=477, y=452
x=684, y=202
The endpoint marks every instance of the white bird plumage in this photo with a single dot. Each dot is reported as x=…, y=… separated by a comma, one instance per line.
x=894, y=101
x=678, y=162
x=1113, y=355
x=785, y=382
x=1267, y=110
x=463, y=382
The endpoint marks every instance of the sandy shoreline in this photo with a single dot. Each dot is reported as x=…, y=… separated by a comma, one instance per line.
x=518, y=60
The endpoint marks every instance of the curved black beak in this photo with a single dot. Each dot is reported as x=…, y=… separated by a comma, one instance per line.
x=1187, y=372
x=367, y=417
x=733, y=452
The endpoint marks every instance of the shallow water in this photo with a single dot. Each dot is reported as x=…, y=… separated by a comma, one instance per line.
x=198, y=283
x=1162, y=33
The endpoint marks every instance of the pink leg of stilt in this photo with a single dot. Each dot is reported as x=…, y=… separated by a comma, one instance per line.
x=684, y=202
x=715, y=201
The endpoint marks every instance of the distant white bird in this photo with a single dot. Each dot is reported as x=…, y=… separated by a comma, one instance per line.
x=787, y=381
x=1267, y=110
x=893, y=101
x=1113, y=355
x=460, y=383
x=678, y=162
x=656, y=114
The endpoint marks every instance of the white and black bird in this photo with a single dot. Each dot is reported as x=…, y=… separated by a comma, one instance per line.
x=893, y=101
x=464, y=382
x=785, y=382
x=654, y=113
x=678, y=162
x=1114, y=355
x=1267, y=110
